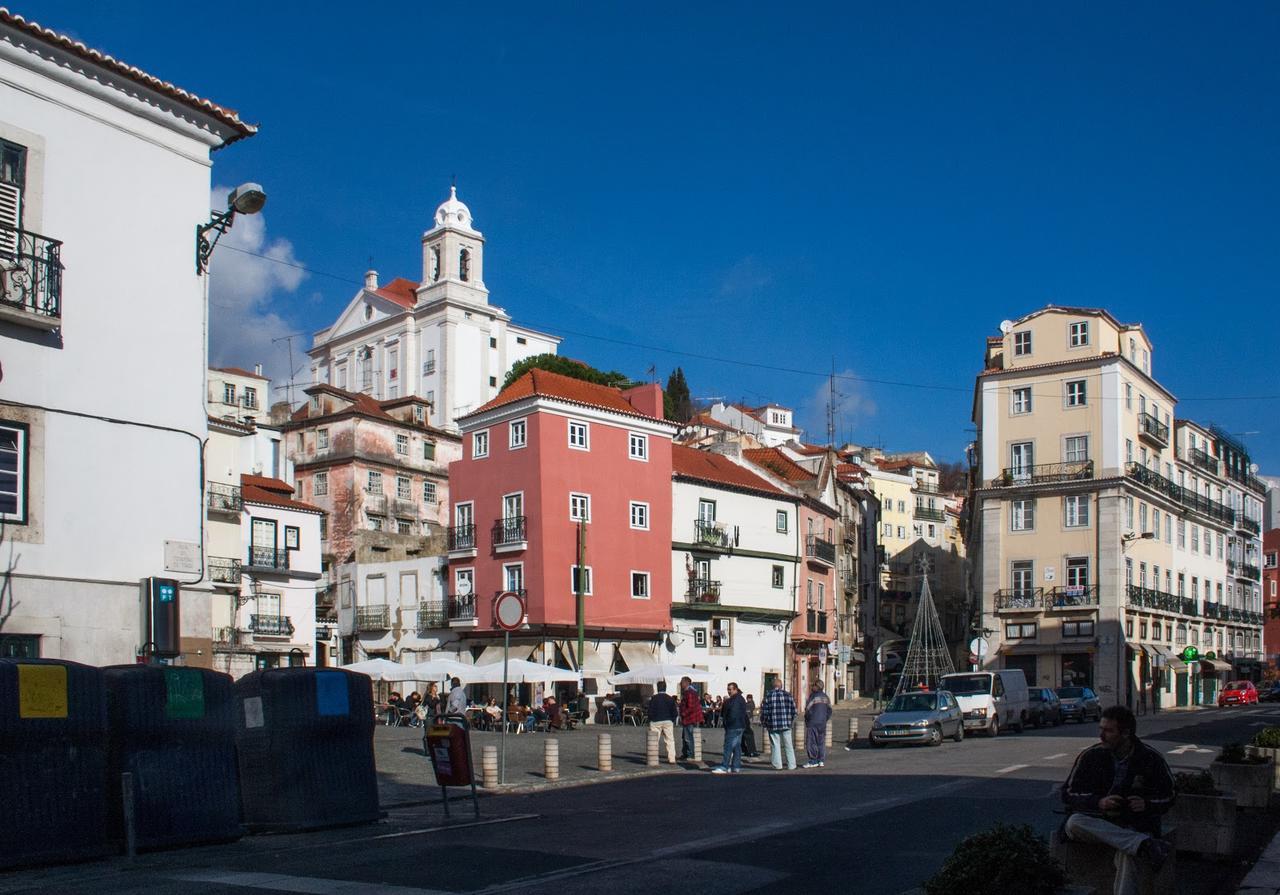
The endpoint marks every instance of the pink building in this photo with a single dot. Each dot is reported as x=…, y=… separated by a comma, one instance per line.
x=548, y=453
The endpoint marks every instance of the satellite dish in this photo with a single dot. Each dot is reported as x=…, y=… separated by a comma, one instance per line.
x=1006, y=326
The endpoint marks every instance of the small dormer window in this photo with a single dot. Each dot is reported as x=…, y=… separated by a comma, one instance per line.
x=464, y=265
x=315, y=403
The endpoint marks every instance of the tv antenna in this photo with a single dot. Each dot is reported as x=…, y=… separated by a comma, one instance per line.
x=292, y=370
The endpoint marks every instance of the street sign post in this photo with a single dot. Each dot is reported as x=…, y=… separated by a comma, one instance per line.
x=508, y=612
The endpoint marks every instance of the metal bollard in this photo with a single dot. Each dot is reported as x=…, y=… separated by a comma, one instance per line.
x=697, y=744
x=489, y=767
x=830, y=735
x=604, y=752
x=798, y=731
x=651, y=749
x=551, y=759
x=853, y=729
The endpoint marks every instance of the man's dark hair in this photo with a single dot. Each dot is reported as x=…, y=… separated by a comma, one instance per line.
x=1124, y=718
x=662, y=686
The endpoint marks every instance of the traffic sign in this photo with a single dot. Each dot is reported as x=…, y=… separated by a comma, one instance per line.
x=978, y=647
x=508, y=610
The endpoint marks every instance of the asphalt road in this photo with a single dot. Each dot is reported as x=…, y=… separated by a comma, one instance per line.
x=883, y=820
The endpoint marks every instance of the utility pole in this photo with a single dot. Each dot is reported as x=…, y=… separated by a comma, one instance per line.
x=831, y=405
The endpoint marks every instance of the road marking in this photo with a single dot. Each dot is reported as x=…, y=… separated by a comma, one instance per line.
x=308, y=885
x=478, y=823
x=1055, y=755
x=1189, y=747
x=1012, y=767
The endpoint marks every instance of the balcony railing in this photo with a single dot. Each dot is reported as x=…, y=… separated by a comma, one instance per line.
x=1244, y=523
x=1153, y=598
x=703, y=590
x=1151, y=427
x=268, y=558
x=509, y=531
x=930, y=514
x=1253, y=573
x=373, y=618
x=1072, y=596
x=1046, y=473
x=1185, y=496
x=819, y=549
x=223, y=498
x=1019, y=599
x=710, y=533
x=224, y=570
x=31, y=274
x=925, y=487
x=1210, y=610
x=271, y=625
x=1244, y=478
x=434, y=614
x=1204, y=461
x=461, y=537
x=462, y=608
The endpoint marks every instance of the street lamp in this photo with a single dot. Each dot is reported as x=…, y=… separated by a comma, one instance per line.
x=1129, y=537
x=247, y=198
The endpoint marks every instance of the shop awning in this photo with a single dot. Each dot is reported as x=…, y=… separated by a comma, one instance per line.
x=592, y=663
x=492, y=654
x=1214, y=665
x=638, y=655
x=1176, y=664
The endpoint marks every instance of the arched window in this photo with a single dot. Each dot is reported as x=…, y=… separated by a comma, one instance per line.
x=435, y=263
x=464, y=265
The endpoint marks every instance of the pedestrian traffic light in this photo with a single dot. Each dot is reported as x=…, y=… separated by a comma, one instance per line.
x=160, y=599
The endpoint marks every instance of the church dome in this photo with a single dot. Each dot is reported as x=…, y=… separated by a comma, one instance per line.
x=454, y=213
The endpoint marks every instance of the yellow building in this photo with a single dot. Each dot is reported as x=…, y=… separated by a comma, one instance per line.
x=1113, y=545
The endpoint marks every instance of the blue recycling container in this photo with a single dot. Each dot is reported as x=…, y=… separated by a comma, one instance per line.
x=53, y=762
x=305, y=743
x=173, y=729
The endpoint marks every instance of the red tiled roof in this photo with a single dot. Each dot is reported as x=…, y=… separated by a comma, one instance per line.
x=709, y=467
x=893, y=465
x=231, y=424
x=707, y=420
x=779, y=464
x=811, y=450
x=237, y=371
x=227, y=116
x=361, y=403
x=273, y=492
x=545, y=384
x=401, y=291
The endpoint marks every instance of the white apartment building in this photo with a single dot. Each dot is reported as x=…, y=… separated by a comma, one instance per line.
x=439, y=339
x=104, y=177
x=239, y=395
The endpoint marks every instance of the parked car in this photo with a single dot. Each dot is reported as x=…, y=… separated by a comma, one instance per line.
x=1079, y=704
x=919, y=717
x=990, y=699
x=1045, y=708
x=1272, y=694
x=1238, y=693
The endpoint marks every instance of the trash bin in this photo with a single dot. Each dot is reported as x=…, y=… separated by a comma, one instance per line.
x=173, y=729
x=305, y=743
x=53, y=774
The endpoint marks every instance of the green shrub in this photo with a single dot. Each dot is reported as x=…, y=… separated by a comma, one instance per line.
x=1002, y=859
x=1268, y=738
x=1194, y=783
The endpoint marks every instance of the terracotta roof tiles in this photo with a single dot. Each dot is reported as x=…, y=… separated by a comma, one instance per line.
x=779, y=464
x=401, y=291
x=709, y=467
x=272, y=492
x=545, y=384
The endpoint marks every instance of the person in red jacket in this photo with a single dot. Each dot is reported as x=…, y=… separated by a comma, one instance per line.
x=690, y=716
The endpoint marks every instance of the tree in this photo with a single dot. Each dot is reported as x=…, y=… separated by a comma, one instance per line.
x=677, y=405
x=567, y=366
x=953, y=478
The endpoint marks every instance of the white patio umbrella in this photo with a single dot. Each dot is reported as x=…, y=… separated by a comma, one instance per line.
x=522, y=671
x=662, y=671
x=433, y=670
x=378, y=669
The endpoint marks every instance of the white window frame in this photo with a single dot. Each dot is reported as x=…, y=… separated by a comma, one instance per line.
x=428, y=491
x=587, y=588
x=1067, y=455
x=1075, y=511
x=1021, y=401
x=582, y=428
x=404, y=487
x=638, y=446
x=320, y=484
x=322, y=439
x=402, y=444
x=1078, y=334
x=782, y=521
x=1076, y=392
x=1019, y=518
x=1017, y=348
x=518, y=434
x=637, y=576
x=576, y=497
x=479, y=444
x=639, y=514
x=21, y=482
x=370, y=479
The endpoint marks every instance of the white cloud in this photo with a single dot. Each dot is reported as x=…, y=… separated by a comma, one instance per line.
x=246, y=296
x=852, y=406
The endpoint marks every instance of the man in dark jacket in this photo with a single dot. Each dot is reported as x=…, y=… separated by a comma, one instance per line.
x=1116, y=793
x=662, y=718
x=817, y=712
x=734, y=717
x=690, y=716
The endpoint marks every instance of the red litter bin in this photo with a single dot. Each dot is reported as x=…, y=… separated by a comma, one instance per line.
x=448, y=743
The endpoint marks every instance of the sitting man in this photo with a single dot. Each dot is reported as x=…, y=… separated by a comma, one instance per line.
x=1116, y=793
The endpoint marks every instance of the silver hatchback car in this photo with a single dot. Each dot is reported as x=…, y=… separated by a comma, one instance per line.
x=919, y=717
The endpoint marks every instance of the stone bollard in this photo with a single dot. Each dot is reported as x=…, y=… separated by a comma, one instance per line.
x=798, y=731
x=830, y=735
x=651, y=749
x=550, y=758
x=853, y=729
x=766, y=741
x=697, y=744
x=489, y=768
x=604, y=752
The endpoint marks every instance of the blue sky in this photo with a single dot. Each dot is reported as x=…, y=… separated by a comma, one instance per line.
x=874, y=187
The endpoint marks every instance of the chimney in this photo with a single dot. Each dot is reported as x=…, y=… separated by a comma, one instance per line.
x=646, y=398
x=257, y=369
x=371, y=280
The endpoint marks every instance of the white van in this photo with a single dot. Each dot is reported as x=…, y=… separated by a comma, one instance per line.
x=990, y=700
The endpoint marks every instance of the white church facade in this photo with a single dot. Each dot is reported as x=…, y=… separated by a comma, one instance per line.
x=439, y=339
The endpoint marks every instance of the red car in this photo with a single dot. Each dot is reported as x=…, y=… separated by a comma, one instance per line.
x=1238, y=693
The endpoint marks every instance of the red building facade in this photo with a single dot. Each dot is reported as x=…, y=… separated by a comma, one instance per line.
x=1271, y=597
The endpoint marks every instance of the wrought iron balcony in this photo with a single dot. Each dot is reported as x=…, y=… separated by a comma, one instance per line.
x=222, y=498
x=1150, y=426
x=373, y=618
x=819, y=549
x=1204, y=460
x=226, y=636
x=510, y=531
x=703, y=590
x=710, y=533
x=224, y=570
x=1209, y=610
x=1019, y=599
x=462, y=608
x=1246, y=570
x=1244, y=523
x=31, y=276
x=1185, y=496
x=930, y=514
x=1246, y=479
x=274, y=558
x=461, y=537
x=925, y=487
x=1154, y=598
x=1045, y=473
x=271, y=625
x=1072, y=596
